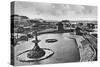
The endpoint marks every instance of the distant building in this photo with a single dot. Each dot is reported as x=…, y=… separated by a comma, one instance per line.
x=60, y=26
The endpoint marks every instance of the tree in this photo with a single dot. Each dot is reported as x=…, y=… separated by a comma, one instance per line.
x=23, y=38
x=29, y=35
x=20, y=30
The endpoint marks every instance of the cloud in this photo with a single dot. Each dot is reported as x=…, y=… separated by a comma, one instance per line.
x=54, y=10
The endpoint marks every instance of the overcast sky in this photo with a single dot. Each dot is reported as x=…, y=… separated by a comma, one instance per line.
x=52, y=11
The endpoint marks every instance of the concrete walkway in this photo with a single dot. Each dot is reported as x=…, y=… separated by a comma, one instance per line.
x=86, y=49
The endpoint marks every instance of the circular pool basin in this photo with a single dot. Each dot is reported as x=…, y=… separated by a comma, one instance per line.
x=65, y=49
x=23, y=56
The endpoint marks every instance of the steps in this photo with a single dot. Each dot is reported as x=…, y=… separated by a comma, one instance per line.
x=86, y=47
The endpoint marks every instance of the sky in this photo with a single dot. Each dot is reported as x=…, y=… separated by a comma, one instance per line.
x=55, y=11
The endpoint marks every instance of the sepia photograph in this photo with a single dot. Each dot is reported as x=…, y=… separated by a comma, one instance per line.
x=50, y=33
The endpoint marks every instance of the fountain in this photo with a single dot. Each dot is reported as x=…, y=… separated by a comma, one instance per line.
x=36, y=53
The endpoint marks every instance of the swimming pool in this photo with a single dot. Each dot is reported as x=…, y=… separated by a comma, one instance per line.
x=65, y=49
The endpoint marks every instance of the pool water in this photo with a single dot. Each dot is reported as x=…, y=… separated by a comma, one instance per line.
x=65, y=49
